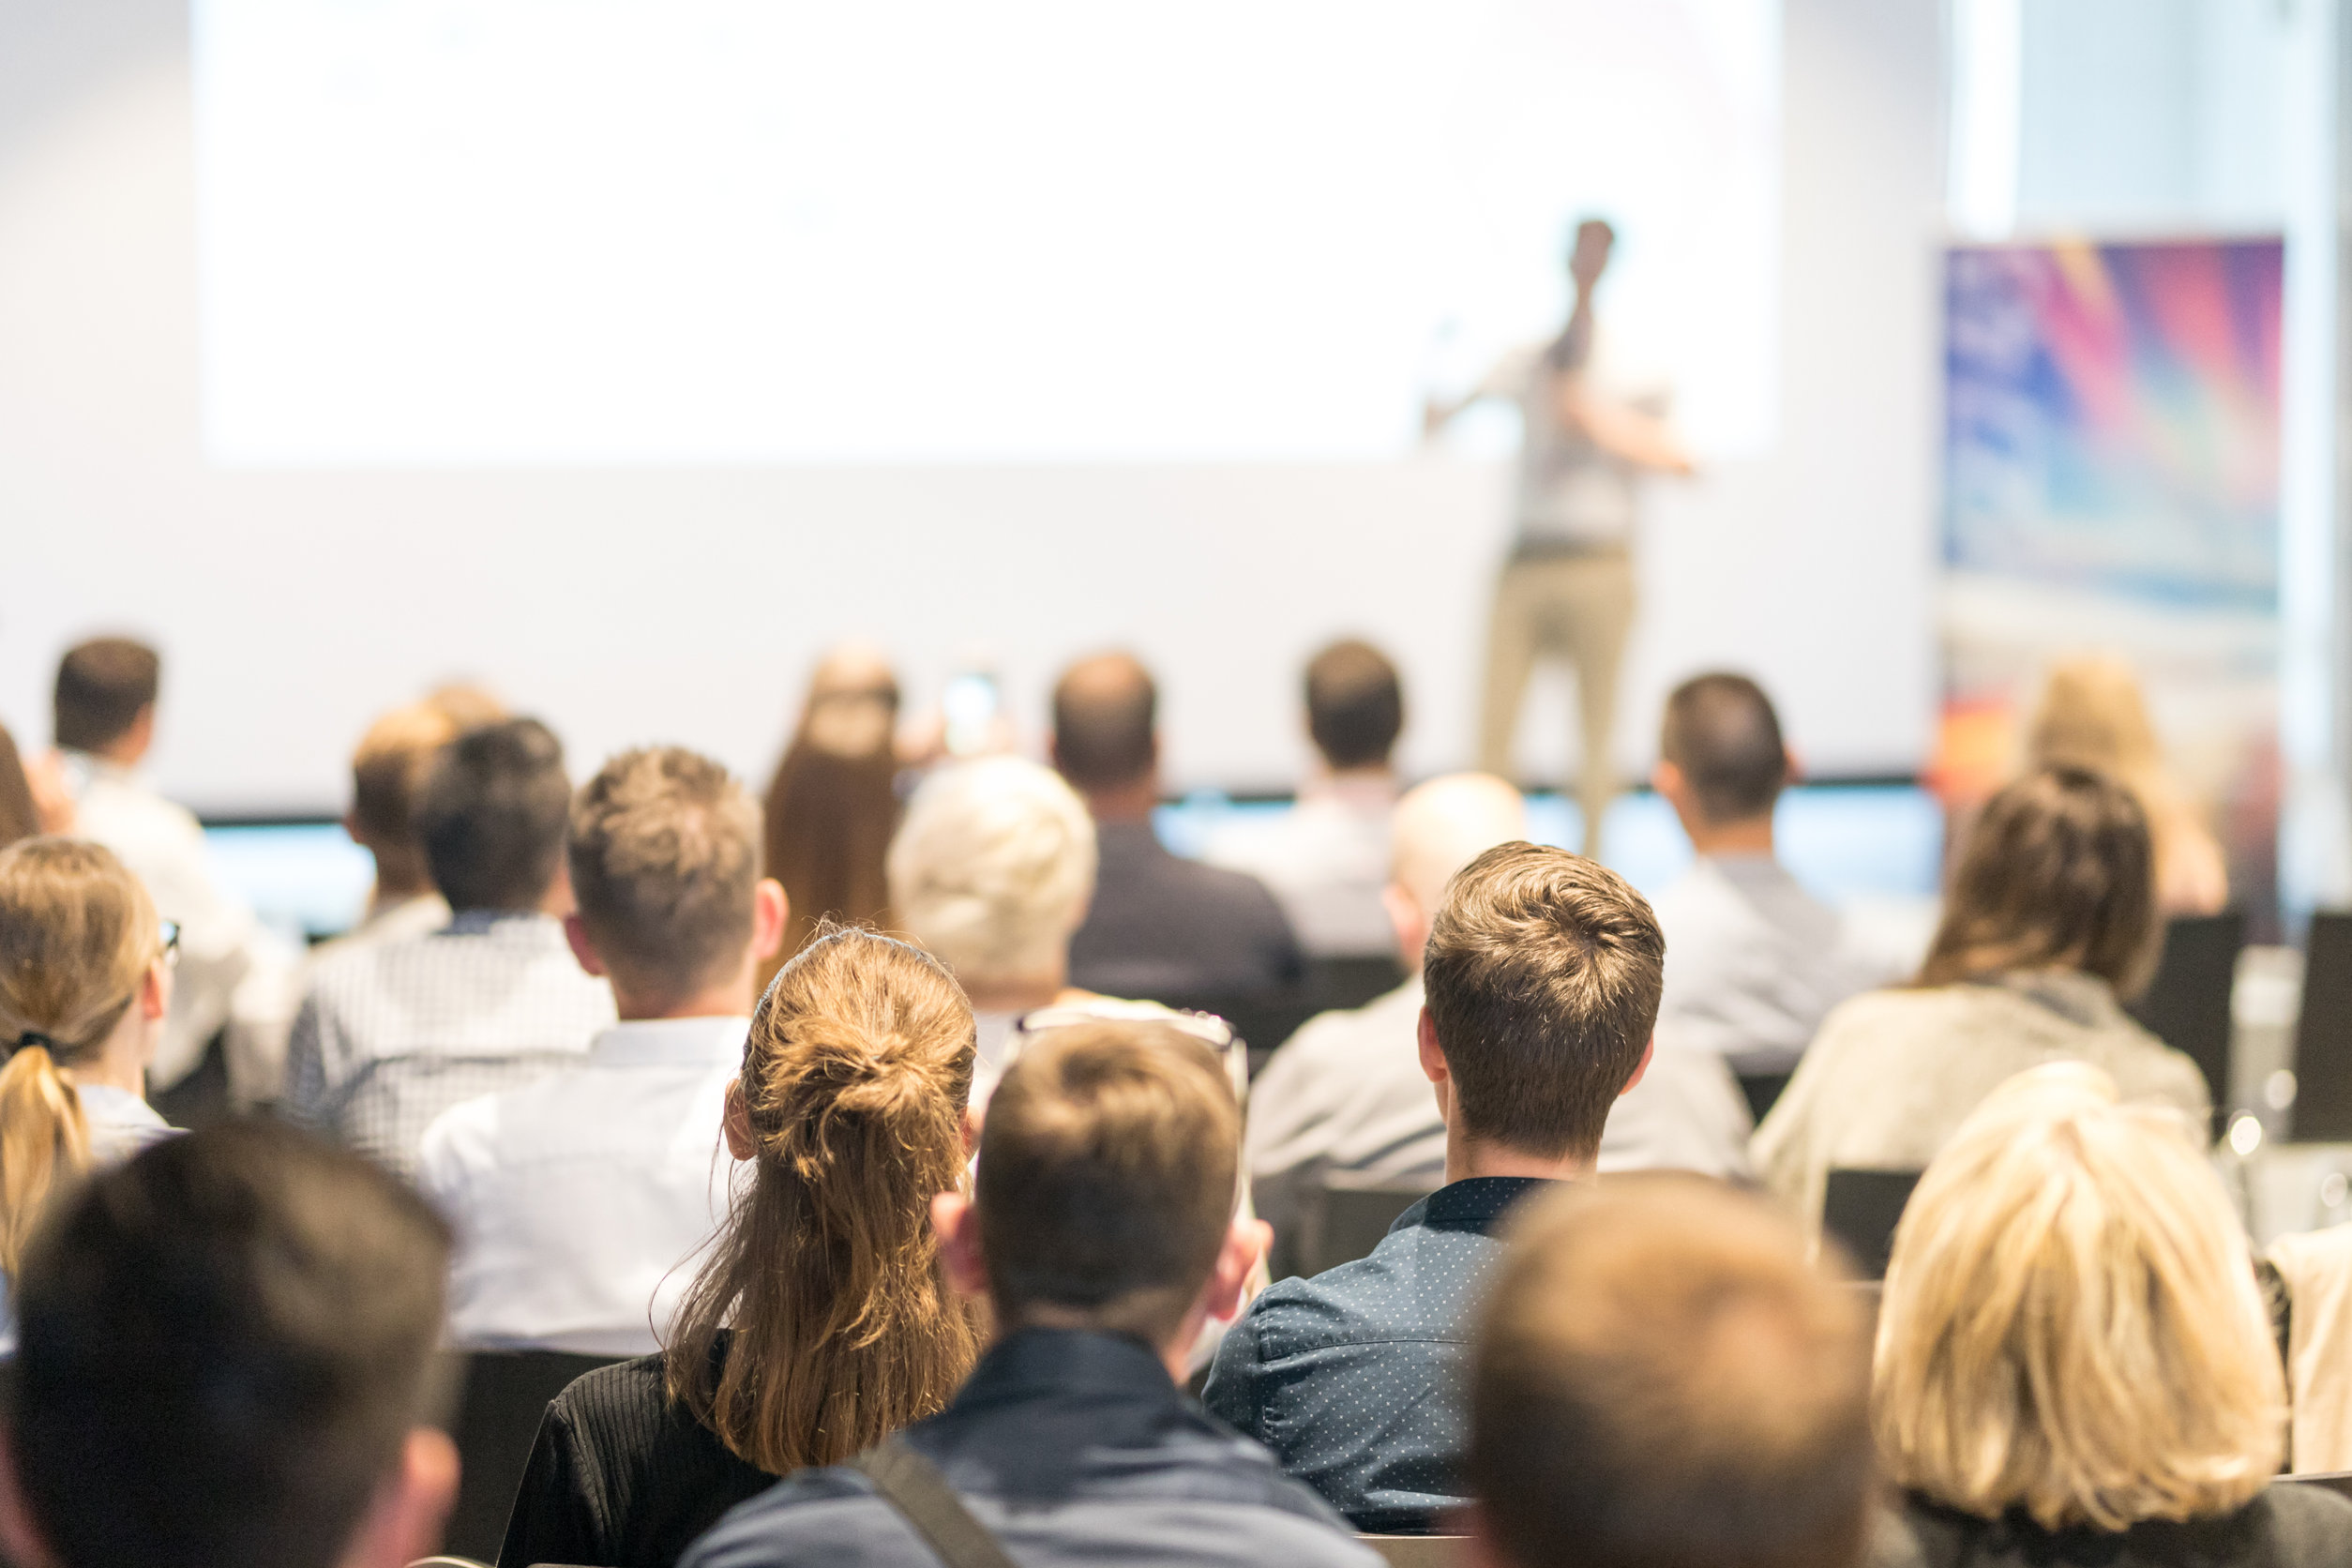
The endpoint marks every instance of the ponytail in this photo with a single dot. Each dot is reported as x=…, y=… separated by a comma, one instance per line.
x=44, y=1138
x=838, y=1328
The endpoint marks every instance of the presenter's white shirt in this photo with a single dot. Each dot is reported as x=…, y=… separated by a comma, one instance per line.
x=1572, y=496
x=581, y=1200
x=1325, y=861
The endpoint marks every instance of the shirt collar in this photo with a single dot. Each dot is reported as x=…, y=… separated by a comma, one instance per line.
x=1472, y=1204
x=103, y=1102
x=1030, y=1363
x=670, y=1042
x=517, y=925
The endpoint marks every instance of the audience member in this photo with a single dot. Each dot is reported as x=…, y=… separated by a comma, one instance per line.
x=19, y=818
x=2091, y=716
x=1662, y=1382
x=1102, y=1238
x=1754, y=962
x=388, y=771
x=105, y=724
x=228, y=1363
x=1159, y=926
x=833, y=805
x=2047, y=921
x=85, y=987
x=1347, y=1092
x=1541, y=984
x=820, y=1323
x=991, y=872
x=578, y=1198
x=1326, y=859
x=2074, y=1362
x=392, y=1035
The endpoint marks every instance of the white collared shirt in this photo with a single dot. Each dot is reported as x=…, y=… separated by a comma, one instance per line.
x=582, y=1201
x=1326, y=861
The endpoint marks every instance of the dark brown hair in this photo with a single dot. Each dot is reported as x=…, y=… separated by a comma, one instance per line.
x=1541, y=979
x=2055, y=872
x=837, y=1327
x=103, y=686
x=1105, y=712
x=18, y=818
x=1662, y=1382
x=492, y=816
x=1355, y=706
x=1721, y=730
x=833, y=805
x=664, y=855
x=1108, y=1175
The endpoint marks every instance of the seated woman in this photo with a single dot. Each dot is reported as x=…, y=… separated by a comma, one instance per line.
x=820, y=1323
x=2049, y=917
x=2074, y=1364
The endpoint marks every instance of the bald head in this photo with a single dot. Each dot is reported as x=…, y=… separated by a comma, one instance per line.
x=1104, y=709
x=1444, y=826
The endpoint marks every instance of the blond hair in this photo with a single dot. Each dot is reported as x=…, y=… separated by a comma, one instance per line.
x=78, y=933
x=387, y=773
x=2071, y=1323
x=992, y=868
x=664, y=860
x=838, y=1327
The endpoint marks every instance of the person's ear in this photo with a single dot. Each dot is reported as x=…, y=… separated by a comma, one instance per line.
x=1433, y=1066
x=1405, y=919
x=770, y=911
x=21, y=1541
x=1666, y=778
x=969, y=1123
x=956, y=1223
x=155, y=991
x=404, y=1519
x=1244, y=1244
x=585, y=951
x=741, y=1141
x=1793, y=766
x=1649, y=1049
x=558, y=901
x=351, y=830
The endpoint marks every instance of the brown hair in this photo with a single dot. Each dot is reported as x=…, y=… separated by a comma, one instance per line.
x=833, y=804
x=1721, y=730
x=1354, y=704
x=1541, y=977
x=825, y=1282
x=665, y=852
x=19, y=818
x=1106, y=710
x=1108, y=1172
x=1660, y=1381
x=388, y=774
x=103, y=686
x=492, y=816
x=2057, y=872
x=77, y=935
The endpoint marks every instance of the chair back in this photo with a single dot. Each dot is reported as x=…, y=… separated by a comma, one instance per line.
x=1762, y=1092
x=2187, y=1005
x=505, y=1397
x=2322, y=1112
x=1343, y=1215
x=1860, y=1209
x=2338, y=1481
x=1416, y=1551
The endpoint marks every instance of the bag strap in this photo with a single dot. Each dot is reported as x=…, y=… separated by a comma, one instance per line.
x=912, y=1485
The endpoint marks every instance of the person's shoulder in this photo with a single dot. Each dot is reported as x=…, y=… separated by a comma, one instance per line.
x=627, y=1395
x=2307, y=1524
x=463, y=1140
x=824, y=1515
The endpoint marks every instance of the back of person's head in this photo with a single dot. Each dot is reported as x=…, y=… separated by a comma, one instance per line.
x=1444, y=824
x=2072, y=1324
x=78, y=937
x=103, y=686
x=665, y=861
x=223, y=1349
x=1106, y=714
x=2091, y=716
x=833, y=805
x=492, y=816
x=826, y=1280
x=467, y=706
x=1109, y=1173
x=1541, y=979
x=2057, y=872
x=19, y=818
x=1355, y=706
x=992, y=869
x=388, y=770
x=1661, y=1381
x=1722, y=734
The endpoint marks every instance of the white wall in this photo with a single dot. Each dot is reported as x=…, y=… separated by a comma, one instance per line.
x=636, y=604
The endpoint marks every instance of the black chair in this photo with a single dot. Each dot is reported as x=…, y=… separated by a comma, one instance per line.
x=1860, y=1209
x=1762, y=1090
x=2322, y=1112
x=2187, y=1005
x=2338, y=1481
x=1342, y=1217
x=506, y=1393
x=1264, y=1020
x=1416, y=1551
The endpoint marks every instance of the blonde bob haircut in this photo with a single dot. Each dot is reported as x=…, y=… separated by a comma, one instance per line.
x=2071, y=1324
x=992, y=869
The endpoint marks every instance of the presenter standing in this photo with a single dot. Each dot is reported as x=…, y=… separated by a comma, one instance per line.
x=1568, y=587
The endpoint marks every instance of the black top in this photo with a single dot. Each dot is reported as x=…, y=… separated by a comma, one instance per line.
x=2290, y=1525
x=622, y=1478
x=1075, y=1450
x=1169, y=929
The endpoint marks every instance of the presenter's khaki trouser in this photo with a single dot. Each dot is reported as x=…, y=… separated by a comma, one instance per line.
x=1577, y=607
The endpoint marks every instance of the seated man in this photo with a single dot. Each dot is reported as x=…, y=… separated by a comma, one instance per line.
x=389, y=1036
x=389, y=771
x=1540, y=985
x=225, y=1360
x=1326, y=859
x=1660, y=1381
x=1754, y=962
x=1102, y=1235
x=578, y=1198
x=1159, y=927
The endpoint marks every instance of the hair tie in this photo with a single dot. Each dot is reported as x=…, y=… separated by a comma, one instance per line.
x=34, y=1037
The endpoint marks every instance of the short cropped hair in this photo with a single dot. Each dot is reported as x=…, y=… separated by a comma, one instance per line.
x=492, y=816
x=388, y=770
x=1355, y=706
x=992, y=868
x=221, y=1349
x=1541, y=979
x=2071, y=1324
x=1661, y=1381
x=103, y=686
x=665, y=861
x=1109, y=1169
x=1721, y=730
x=1106, y=710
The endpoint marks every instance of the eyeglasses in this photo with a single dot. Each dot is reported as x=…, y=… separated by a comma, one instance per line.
x=169, y=934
